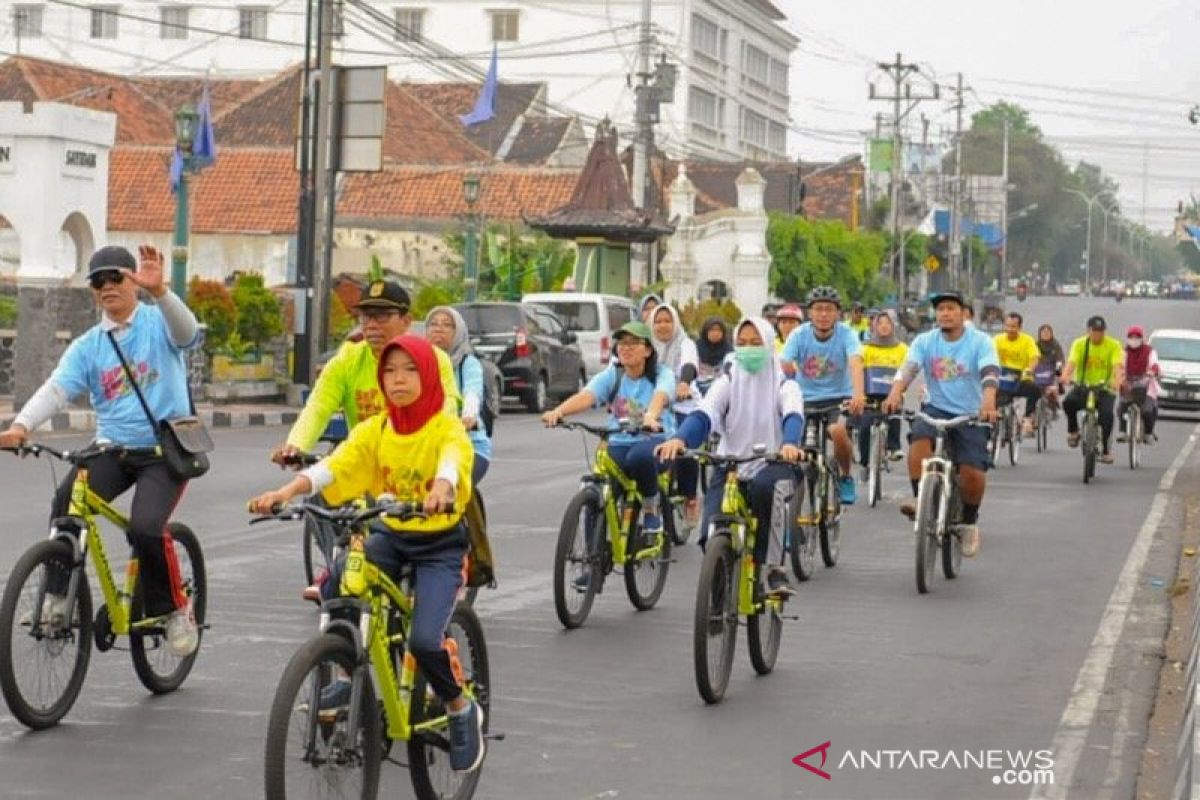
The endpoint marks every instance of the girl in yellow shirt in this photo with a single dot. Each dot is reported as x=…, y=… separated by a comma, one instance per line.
x=883, y=354
x=418, y=454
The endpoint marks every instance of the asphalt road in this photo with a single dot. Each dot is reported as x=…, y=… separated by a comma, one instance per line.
x=988, y=662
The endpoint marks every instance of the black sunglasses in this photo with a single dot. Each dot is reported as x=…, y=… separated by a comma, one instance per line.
x=99, y=280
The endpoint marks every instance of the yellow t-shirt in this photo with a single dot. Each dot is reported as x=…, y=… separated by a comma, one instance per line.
x=375, y=460
x=879, y=366
x=1021, y=354
x=350, y=384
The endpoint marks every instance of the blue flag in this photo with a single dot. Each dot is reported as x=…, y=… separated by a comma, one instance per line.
x=176, y=171
x=485, y=104
x=204, y=150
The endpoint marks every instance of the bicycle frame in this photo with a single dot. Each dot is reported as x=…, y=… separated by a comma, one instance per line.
x=743, y=532
x=940, y=466
x=606, y=472
x=817, y=467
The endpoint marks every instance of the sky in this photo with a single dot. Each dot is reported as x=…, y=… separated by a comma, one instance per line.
x=1108, y=82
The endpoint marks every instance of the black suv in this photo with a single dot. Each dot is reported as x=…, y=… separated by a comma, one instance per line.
x=536, y=354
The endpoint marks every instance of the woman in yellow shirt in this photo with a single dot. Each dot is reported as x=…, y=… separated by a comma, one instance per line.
x=418, y=454
x=883, y=354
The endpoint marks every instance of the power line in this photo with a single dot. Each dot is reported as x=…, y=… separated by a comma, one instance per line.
x=1147, y=98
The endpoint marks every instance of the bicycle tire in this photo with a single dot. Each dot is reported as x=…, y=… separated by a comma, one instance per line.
x=646, y=578
x=951, y=543
x=830, y=525
x=802, y=539
x=317, y=548
x=874, y=467
x=38, y=715
x=1042, y=420
x=1089, y=448
x=1015, y=432
x=146, y=647
x=928, y=498
x=1134, y=428
x=294, y=697
x=764, y=632
x=572, y=548
x=715, y=617
x=428, y=754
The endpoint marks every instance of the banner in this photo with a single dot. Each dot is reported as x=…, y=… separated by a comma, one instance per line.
x=881, y=155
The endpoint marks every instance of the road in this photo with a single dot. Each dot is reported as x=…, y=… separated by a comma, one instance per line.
x=988, y=662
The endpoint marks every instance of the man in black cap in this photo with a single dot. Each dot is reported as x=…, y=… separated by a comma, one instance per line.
x=350, y=382
x=1096, y=360
x=152, y=338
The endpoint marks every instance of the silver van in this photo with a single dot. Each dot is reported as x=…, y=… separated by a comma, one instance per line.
x=592, y=317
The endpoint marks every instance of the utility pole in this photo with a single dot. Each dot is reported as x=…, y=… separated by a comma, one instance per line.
x=900, y=73
x=955, y=211
x=642, y=144
x=325, y=179
x=1004, y=215
x=302, y=359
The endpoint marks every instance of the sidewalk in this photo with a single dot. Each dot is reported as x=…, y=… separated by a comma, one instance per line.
x=231, y=415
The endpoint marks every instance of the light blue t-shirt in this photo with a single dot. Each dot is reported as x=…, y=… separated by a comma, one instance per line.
x=90, y=365
x=470, y=383
x=823, y=367
x=633, y=398
x=952, y=369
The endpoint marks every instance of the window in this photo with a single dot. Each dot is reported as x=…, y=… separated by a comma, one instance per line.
x=252, y=22
x=505, y=26
x=104, y=22
x=579, y=315
x=702, y=108
x=27, y=21
x=756, y=65
x=410, y=24
x=754, y=128
x=174, y=24
x=708, y=40
x=777, y=138
x=779, y=76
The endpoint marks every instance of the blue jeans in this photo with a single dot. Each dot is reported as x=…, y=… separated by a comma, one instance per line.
x=687, y=470
x=640, y=464
x=760, y=491
x=437, y=560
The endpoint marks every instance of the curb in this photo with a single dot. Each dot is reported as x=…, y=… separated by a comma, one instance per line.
x=85, y=419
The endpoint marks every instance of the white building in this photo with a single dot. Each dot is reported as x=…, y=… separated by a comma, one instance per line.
x=731, y=98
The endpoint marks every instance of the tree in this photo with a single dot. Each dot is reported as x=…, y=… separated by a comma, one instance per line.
x=259, y=316
x=8, y=311
x=531, y=261
x=213, y=305
x=807, y=253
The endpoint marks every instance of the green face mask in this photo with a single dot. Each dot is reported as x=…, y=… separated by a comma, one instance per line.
x=751, y=358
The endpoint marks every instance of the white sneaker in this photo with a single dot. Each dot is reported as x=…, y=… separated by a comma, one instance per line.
x=54, y=612
x=182, y=636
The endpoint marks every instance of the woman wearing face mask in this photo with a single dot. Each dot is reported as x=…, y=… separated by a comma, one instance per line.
x=677, y=352
x=753, y=404
x=1141, y=382
x=1045, y=373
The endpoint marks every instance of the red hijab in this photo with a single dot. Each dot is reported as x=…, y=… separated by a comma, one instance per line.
x=412, y=418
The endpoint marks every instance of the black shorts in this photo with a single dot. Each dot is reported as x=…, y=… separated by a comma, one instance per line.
x=829, y=410
x=969, y=444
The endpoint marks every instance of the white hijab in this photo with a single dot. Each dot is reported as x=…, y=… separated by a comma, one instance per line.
x=670, y=352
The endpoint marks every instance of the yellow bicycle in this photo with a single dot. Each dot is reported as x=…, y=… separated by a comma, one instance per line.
x=46, y=624
x=362, y=642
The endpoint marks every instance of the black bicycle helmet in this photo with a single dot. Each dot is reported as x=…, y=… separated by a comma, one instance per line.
x=948, y=294
x=824, y=294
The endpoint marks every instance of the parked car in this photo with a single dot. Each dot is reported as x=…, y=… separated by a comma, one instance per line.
x=537, y=356
x=1070, y=289
x=1179, y=362
x=592, y=317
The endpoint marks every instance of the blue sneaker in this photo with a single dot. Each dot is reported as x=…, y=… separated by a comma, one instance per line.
x=466, y=739
x=848, y=492
x=334, y=698
x=651, y=527
x=583, y=580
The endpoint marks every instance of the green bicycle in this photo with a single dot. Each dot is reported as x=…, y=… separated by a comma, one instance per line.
x=600, y=531
x=730, y=587
x=43, y=661
x=1090, y=432
x=338, y=750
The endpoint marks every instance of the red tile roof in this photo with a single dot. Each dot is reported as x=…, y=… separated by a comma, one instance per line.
x=449, y=100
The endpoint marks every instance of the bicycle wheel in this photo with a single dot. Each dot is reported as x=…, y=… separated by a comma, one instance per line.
x=714, y=625
x=1089, y=444
x=952, y=544
x=1134, y=428
x=928, y=500
x=1041, y=417
x=875, y=466
x=645, y=578
x=160, y=670
x=318, y=755
x=996, y=440
x=1015, y=432
x=42, y=667
x=764, y=631
x=429, y=752
x=577, y=569
x=803, y=532
x=675, y=523
x=831, y=522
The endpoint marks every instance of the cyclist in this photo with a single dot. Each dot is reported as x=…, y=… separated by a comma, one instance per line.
x=787, y=319
x=1098, y=361
x=640, y=390
x=1050, y=363
x=152, y=338
x=825, y=356
x=676, y=351
x=447, y=330
x=647, y=304
x=883, y=355
x=968, y=314
x=1019, y=353
x=712, y=346
x=1141, y=369
x=417, y=453
x=859, y=322
x=961, y=373
x=753, y=404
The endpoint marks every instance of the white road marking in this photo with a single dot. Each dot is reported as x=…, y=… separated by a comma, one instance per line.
x=1077, y=718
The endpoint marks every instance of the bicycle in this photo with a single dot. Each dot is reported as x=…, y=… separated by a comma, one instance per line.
x=730, y=587
x=58, y=651
x=1090, y=432
x=877, y=457
x=1043, y=412
x=1006, y=433
x=600, y=531
x=1134, y=425
x=817, y=502
x=362, y=636
x=939, y=505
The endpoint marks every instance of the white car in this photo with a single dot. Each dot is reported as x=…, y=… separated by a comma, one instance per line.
x=1179, y=365
x=592, y=317
x=1070, y=289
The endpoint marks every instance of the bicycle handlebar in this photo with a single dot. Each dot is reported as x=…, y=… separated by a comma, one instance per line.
x=299, y=459
x=604, y=431
x=75, y=457
x=947, y=424
x=704, y=455
x=344, y=516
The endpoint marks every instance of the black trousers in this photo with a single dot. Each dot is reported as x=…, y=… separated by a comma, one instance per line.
x=1074, y=402
x=155, y=496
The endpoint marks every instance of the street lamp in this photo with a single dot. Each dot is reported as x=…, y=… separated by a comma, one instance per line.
x=471, y=254
x=1090, y=200
x=186, y=120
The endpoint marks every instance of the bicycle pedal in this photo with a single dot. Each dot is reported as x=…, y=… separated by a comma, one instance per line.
x=790, y=617
x=495, y=737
